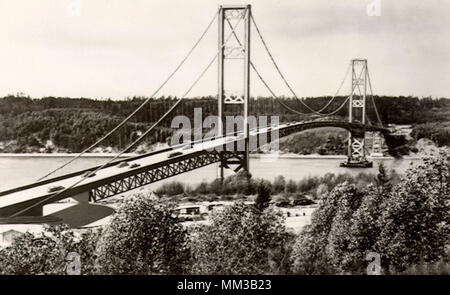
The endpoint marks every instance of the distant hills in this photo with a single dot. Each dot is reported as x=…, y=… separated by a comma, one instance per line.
x=59, y=124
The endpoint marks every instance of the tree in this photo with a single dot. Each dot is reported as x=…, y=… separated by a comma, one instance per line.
x=263, y=197
x=415, y=219
x=143, y=237
x=46, y=252
x=406, y=224
x=322, y=189
x=291, y=186
x=239, y=241
x=279, y=184
x=382, y=176
x=308, y=255
x=320, y=246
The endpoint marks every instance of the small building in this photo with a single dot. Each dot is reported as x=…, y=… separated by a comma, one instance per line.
x=188, y=210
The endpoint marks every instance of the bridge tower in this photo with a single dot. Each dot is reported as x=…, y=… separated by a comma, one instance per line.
x=234, y=79
x=356, y=154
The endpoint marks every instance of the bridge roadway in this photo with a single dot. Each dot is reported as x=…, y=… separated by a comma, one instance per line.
x=143, y=169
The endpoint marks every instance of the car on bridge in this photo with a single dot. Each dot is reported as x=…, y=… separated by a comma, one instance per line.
x=123, y=164
x=89, y=174
x=55, y=188
x=174, y=154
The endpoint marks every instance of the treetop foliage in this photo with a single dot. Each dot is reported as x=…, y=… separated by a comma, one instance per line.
x=407, y=222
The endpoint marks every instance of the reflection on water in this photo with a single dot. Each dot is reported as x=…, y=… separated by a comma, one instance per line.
x=16, y=171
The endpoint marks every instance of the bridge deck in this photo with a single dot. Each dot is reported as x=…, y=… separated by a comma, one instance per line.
x=36, y=192
x=103, y=174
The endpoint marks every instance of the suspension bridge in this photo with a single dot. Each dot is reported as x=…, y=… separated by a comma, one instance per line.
x=25, y=204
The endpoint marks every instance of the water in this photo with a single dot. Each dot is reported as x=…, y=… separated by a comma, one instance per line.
x=21, y=170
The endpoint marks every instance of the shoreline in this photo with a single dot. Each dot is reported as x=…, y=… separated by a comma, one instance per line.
x=254, y=156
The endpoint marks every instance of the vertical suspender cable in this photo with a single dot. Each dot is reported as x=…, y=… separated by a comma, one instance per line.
x=138, y=139
x=138, y=108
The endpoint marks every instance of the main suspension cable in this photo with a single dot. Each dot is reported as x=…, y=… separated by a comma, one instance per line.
x=337, y=92
x=276, y=96
x=262, y=79
x=85, y=176
x=372, y=99
x=286, y=82
x=139, y=107
x=275, y=64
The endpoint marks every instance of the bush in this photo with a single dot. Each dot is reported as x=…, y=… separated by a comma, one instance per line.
x=438, y=132
x=279, y=184
x=291, y=187
x=202, y=188
x=307, y=184
x=143, y=238
x=416, y=223
x=45, y=253
x=215, y=187
x=407, y=223
x=263, y=198
x=239, y=241
x=441, y=267
x=170, y=189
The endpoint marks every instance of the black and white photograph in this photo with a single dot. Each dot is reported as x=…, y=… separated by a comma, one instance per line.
x=241, y=139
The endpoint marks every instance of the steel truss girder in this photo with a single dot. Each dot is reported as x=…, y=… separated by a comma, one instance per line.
x=157, y=173
x=357, y=103
x=234, y=158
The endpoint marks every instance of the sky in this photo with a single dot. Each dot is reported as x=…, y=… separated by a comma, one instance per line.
x=120, y=48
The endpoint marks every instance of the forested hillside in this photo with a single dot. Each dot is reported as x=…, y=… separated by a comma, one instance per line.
x=71, y=124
